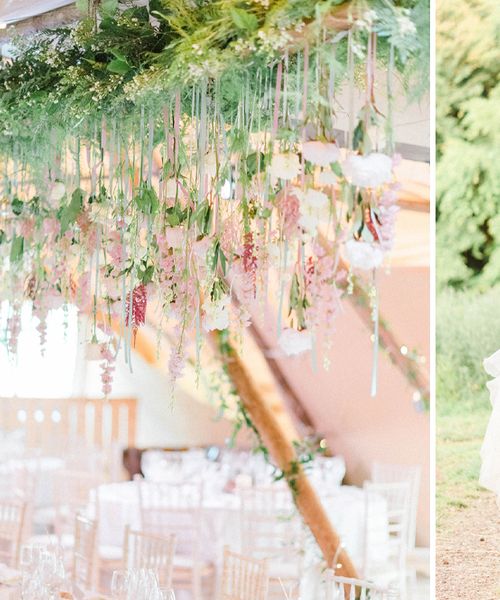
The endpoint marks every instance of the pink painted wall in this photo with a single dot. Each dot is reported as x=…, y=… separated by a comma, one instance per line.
x=361, y=428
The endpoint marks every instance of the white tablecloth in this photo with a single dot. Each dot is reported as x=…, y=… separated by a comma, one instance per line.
x=119, y=507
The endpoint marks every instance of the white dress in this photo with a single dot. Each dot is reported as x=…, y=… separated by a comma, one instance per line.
x=490, y=451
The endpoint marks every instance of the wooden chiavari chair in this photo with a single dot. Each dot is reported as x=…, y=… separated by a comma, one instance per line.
x=146, y=551
x=272, y=530
x=175, y=508
x=393, y=570
x=243, y=578
x=84, y=571
x=12, y=515
x=344, y=588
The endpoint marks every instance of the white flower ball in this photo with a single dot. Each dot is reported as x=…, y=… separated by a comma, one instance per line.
x=320, y=153
x=363, y=255
x=285, y=166
x=370, y=171
x=294, y=342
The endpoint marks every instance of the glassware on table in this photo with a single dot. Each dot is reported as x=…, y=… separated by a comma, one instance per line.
x=119, y=584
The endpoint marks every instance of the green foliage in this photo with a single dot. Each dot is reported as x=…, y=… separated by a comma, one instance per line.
x=16, y=249
x=468, y=330
x=468, y=138
x=68, y=78
x=70, y=212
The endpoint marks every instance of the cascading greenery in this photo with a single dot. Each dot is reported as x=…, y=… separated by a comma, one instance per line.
x=128, y=55
x=468, y=137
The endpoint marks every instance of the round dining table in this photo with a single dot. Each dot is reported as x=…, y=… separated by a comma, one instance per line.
x=345, y=506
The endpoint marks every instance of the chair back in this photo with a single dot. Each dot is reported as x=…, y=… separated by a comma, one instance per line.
x=145, y=551
x=397, y=497
x=168, y=508
x=344, y=588
x=84, y=556
x=72, y=495
x=386, y=473
x=243, y=578
x=12, y=515
x=19, y=479
x=270, y=525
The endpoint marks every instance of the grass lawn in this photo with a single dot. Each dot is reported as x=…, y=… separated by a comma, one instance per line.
x=468, y=330
x=459, y=441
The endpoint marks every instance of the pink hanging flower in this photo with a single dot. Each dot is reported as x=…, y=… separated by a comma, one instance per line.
x=13, y=330
x=51, y=226
x=27, y=228
x=137, y=314
x=388, y=211
x=289, y=207
x=250, y=260
x=229, y=239
x=116, y=250
x=107, y=368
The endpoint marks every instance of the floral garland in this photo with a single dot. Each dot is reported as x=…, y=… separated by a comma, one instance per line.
x=204, y=198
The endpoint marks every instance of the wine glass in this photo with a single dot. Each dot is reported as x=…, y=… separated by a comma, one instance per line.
x=26, y=558
x=118, y=584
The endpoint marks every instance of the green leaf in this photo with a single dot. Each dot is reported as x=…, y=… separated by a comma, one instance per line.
x=243, y=19
x=215, y=259
x=17, y=206
x=145, y=272
x=358, y=136
x=255, y=163
x=69, y=213
x=108, y=7
x=118, y=66
x=147, y=201
x=118, y=54
x=17, y=248
x=223, y=261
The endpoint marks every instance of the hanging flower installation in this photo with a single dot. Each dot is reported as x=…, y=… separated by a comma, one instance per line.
x=185, y=157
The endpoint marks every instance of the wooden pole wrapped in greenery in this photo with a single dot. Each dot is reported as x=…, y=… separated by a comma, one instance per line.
x=283, y=453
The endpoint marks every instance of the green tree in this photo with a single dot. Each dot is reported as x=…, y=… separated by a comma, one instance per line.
x=468, y=142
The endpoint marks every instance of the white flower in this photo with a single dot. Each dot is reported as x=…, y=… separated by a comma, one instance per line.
x=310, y=222
x=320, y=153
x=294, y=342
x=313, y=210
x=216, y=313
x=285, y=166
x=93, y=351
x=57, y=191
x=327, y=178
x=315, y=198
x=363, y=255
x=368, y=171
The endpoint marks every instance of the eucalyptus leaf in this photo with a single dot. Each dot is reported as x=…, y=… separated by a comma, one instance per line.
x=243, y=19
x=17, y=248
x=118, y=66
